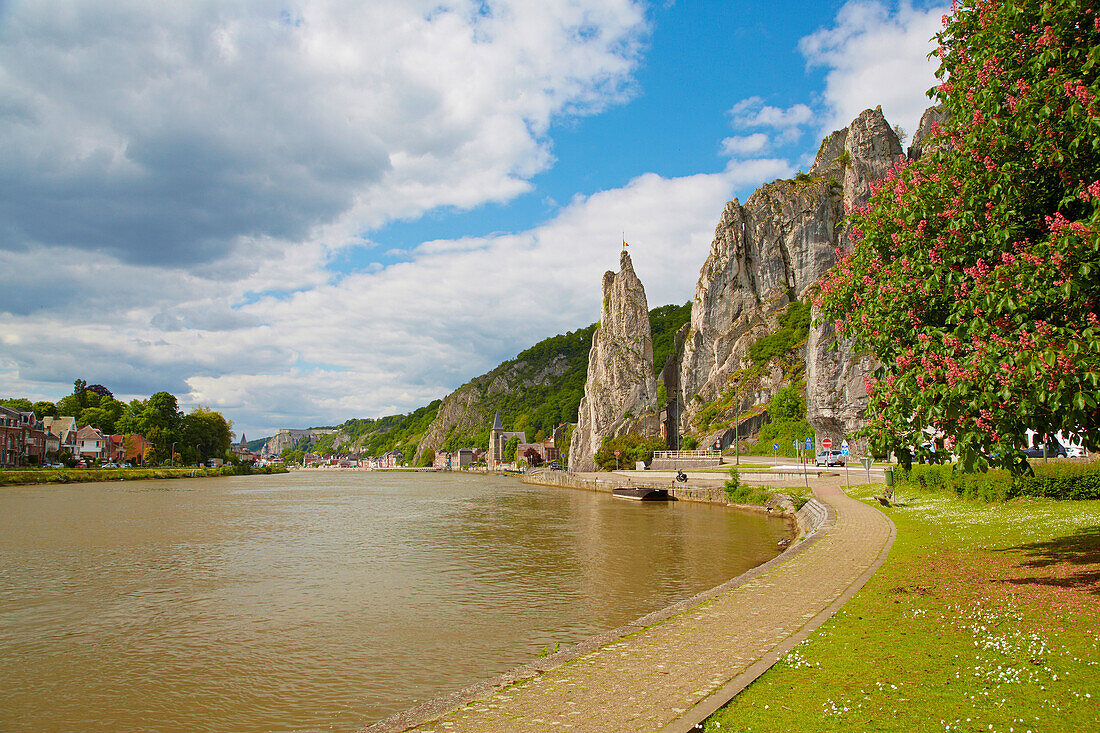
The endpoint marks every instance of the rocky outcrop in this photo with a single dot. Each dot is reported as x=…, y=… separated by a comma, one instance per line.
x=620, y=394
x=289, y=438
x=770, y=251
x=932, y=118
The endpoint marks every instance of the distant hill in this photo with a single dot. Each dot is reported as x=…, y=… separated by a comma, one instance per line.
x=537, y=390
x=256, y=445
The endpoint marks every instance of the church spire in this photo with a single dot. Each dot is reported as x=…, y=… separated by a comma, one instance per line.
x=496, y=422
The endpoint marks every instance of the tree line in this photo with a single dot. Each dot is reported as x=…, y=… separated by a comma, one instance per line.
x=173, y=436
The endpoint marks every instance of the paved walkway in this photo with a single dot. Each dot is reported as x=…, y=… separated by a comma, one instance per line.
x=667, y=676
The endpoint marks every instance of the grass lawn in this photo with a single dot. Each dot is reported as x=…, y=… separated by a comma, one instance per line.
x=985, y=617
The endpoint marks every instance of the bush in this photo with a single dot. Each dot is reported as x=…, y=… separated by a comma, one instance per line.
x=739, y=493
x=632, y=448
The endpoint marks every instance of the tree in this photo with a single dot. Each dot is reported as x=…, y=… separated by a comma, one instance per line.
x=975, y=275
x=43, y=408
x=104, y=415
x=205, y=433
x=510, y=448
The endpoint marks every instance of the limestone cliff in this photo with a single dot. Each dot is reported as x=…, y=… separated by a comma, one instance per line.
x=769, y=252
x=620, y=394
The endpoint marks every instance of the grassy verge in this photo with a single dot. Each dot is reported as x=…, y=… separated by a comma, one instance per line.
x=985, y=617
x=83, y=475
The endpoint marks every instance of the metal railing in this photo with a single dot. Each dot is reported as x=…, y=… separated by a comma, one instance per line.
x=686, y=454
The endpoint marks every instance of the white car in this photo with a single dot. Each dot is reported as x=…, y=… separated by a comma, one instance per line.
x=1075, y=452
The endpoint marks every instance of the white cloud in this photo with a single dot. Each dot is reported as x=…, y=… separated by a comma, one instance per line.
x=740, y=146
x=752, y=112
x=876, y=55
x=179, y=133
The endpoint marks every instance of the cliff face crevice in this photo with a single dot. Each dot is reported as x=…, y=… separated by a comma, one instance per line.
x=620, y=392
x=771, y=250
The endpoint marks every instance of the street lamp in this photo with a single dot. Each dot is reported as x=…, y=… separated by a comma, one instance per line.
x=172, y=456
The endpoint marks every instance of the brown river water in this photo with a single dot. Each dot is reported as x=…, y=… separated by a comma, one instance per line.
x=321, y=601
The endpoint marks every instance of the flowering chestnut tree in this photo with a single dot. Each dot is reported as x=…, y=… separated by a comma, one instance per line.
x=974, y=275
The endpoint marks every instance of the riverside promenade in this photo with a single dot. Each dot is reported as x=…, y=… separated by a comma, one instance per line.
x=668, y=671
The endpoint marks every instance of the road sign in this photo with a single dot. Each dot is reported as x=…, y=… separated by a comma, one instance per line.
x=867, y=462
x=809, y=443
x=775, y=446
x=826, y=442
x=844, y=444
x=844, y=451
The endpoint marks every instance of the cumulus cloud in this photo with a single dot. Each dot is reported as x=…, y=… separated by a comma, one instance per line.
x=876, y=54
x=752, y=112
x=179, y=133
x=740, y=146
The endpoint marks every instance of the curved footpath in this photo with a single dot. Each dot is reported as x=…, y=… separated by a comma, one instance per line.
x=670, y=670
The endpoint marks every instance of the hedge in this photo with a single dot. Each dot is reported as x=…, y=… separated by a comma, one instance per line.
x=1053, y=480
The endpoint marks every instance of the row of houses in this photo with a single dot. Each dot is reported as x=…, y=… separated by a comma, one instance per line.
x=22, y=438
x=27, y=440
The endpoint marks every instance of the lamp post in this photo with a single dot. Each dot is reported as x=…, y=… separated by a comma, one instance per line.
x=172, y=457
x=198, y=455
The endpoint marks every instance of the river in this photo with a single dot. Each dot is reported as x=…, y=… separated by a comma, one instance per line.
x=321, y=600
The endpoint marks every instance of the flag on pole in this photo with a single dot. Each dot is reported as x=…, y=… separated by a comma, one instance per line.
x=625, y=243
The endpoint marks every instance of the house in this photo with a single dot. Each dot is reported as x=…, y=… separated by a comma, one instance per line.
x=91, y=443
x=11, y=437
x=392, y=459
x=545, y=450
x=34, y=439
x=442, y=460
x=462, y=458
x=63, y=431
x=135, y=453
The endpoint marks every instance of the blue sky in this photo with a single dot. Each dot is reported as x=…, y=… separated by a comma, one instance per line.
x=301, y=212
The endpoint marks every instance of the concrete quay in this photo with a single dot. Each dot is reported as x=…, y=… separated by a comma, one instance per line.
x=669, y=670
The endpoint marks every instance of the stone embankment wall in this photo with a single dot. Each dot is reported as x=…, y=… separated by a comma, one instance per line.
x=673, y=464
x=809, y=518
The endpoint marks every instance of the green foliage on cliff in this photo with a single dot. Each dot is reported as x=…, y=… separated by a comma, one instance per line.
x=794, y=326
x=664, y=322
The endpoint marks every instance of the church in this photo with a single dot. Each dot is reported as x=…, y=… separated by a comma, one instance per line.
x=497, y=440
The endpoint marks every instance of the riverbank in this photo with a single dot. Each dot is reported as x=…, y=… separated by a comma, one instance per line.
x=667, y=671
x=983, y=618
x=86, y=475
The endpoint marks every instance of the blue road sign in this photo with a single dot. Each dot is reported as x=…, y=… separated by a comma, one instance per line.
x=775, y=446
x=809, y=443
x=844, y=451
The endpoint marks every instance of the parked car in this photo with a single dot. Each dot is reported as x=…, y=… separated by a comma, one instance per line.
x=1054, y=450
x=554, y=466
x=1075, y=452
x=829, y=458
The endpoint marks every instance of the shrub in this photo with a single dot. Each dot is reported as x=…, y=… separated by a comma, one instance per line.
x=632, y=448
